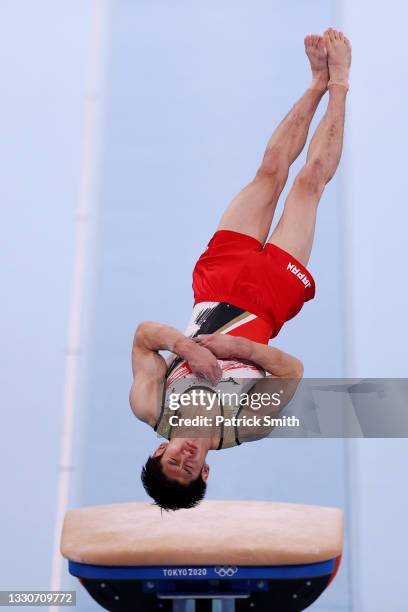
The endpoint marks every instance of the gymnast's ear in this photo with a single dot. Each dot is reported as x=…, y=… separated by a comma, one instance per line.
x=205, y=472
x=160, y=449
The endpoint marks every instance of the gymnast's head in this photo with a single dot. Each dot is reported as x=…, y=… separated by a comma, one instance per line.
x=175, y=475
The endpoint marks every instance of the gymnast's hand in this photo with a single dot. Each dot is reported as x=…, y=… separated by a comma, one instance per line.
x=202, y=361
x=221, y=345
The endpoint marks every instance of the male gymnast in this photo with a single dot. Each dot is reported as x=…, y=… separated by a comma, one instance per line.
x=246, y=286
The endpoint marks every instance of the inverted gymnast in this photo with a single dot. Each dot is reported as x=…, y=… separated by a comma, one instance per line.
x=246, y=286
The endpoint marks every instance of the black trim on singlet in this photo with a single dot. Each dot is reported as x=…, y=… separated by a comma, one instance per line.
x=215, y=317
x=238, y=443
x=163, y=400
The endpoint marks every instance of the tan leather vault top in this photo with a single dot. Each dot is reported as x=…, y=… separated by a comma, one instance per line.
x=216, y=532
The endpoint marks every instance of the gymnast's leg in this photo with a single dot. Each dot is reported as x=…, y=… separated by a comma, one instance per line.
x=295, y=230
x=251, y=211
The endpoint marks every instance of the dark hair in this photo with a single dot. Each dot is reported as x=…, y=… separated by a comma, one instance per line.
x=169, y=494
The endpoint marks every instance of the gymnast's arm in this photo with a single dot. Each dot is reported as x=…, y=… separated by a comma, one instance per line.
x=149, y=367
x=271, y=359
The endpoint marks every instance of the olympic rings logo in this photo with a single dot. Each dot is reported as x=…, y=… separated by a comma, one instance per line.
x=225, y=571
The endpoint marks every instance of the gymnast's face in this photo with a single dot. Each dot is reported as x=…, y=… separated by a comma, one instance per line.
x=183, y=460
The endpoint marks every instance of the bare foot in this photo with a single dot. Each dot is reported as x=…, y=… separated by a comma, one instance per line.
x=316, y=52
x=339, y=57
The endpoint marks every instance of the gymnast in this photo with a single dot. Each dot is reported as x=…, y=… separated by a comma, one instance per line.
x=246, y=286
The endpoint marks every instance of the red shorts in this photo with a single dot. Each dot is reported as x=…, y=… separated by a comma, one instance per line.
x=265, y=281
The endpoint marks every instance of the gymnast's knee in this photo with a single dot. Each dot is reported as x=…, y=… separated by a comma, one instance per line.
x=312, y=179
x=274, y=166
